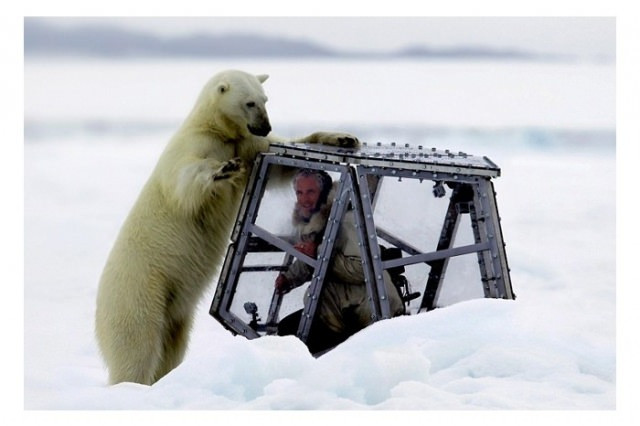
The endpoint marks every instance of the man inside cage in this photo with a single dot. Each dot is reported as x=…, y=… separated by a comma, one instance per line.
x=343, y=308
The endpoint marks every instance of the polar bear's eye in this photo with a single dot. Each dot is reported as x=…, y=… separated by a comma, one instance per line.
x=251, y=104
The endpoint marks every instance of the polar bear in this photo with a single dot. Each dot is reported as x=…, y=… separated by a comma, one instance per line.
x=175, y=236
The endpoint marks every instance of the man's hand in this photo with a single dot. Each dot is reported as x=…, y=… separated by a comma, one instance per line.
x=307, y=247
x=282, y=284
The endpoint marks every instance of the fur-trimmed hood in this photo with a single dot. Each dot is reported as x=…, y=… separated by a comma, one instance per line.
x=313, y=229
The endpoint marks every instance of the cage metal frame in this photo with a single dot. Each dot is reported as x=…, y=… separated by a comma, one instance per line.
x=361, y=172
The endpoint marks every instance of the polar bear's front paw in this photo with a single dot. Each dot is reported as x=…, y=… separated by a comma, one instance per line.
x=343, y=140
x=231, y=168
x=347, y=141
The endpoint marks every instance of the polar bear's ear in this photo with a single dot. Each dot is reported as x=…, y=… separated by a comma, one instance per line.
x=262, y=77
x=222, y=87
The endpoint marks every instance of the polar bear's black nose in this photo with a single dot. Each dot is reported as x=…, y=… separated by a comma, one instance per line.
x=262, y=130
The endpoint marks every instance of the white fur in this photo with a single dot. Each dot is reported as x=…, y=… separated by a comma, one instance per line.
x=177, y=232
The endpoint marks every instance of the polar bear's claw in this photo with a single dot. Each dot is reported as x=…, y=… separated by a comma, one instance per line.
x=229, y=169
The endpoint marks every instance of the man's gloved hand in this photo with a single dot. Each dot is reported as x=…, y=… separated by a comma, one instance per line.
x=307, y=247
x=283, y=285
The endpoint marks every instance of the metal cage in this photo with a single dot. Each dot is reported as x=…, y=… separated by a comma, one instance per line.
x=360, y=173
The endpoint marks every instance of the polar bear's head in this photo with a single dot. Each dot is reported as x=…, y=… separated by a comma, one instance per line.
x=237, y=102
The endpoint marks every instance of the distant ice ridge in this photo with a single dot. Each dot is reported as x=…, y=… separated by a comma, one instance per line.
x=475, y=140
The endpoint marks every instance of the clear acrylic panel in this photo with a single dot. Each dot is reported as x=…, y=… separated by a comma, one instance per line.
x=419, y=224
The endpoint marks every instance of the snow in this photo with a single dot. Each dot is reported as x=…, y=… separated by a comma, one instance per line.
x=554, y=348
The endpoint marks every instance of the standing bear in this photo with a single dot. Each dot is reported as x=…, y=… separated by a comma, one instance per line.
x=177, y=232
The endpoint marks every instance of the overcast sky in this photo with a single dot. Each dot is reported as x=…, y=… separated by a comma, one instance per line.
x=590, y=36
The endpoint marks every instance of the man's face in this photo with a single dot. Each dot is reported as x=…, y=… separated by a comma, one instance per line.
x=307, y=195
